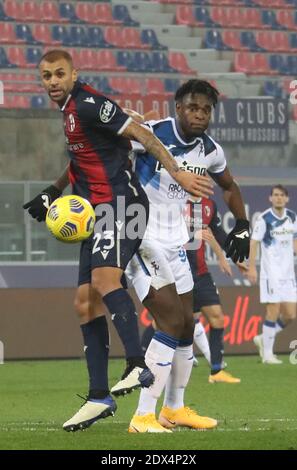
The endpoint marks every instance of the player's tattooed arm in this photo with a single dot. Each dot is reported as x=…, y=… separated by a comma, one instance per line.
x=199, y=186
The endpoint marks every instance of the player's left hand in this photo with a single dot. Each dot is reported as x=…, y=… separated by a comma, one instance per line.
x=237, y=244
x=38, y=206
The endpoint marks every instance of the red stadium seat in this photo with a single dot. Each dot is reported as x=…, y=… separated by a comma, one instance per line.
x=50, y=13
x=261, y=66
x=85, y=11
x=178, y=61
x=16, y=101
x=106, y=61
x=243, y=62
x=114, y=36
x=131, y=39
x=16, y=56
x=42, y=33
x=155, y=86
x=7, y=34
x=185, y=15
x=31, y=11
x=126, y=85
x=14, y=9
x=103, y=14
x=252, y=19
x=232, y=39
x=285, y=18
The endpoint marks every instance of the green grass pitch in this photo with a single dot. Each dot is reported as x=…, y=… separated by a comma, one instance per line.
x=38, y=396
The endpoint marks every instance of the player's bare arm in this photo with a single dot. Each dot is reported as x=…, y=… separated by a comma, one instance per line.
x=232, y=194
x=237, y=244
x=199, y=186
x=63, y=180
x=252, y=274
x=208, y=236
x=295, y=246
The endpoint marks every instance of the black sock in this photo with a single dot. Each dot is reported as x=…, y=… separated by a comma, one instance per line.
x=96, y=341
x=216, y=347
x=124, y=317
x=147, y=337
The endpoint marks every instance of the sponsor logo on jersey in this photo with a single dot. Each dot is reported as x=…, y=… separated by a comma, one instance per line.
x=75, y=147
x=107, y=111
x=90, y=99
x=175, y=191
x=197, y=170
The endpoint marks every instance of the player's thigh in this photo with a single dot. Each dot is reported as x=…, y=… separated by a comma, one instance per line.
x=205, y=292
x=149, y=268
x=167, y=309
x=88, y=303
x=180, y=267
x=270, y=291
x=288, y=310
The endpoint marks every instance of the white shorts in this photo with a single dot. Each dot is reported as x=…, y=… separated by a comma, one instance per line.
x=158, y=266
x=277, y=290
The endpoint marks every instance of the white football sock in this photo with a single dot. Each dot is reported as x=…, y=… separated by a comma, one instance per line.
x=201, y=341
x=179, y=377
x=268, y=338
x=279, y=326
x=158, y=358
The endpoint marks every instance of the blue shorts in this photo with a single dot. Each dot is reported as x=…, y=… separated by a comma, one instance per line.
x=111, y=244
x=205, y=292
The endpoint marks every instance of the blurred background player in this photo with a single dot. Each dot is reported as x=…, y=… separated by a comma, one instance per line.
x=276, y=231
x=205, y=293
x=97, y=135
x=162, y=270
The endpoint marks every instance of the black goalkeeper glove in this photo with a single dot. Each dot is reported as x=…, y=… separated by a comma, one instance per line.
x=237, y=244
x=38, y=207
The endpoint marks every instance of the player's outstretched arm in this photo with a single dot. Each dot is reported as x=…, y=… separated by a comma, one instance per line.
x=199, y=186
x=38, y=206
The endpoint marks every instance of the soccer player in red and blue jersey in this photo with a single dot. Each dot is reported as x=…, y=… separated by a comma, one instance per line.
x=98, y=137
x=206, y=297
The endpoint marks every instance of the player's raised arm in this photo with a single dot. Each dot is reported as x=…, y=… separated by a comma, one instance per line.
x=38, y=206
x=199, y=186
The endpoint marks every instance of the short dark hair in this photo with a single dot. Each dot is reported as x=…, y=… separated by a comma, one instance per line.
x=197, y=86
x=281, y=188
x=56, y=54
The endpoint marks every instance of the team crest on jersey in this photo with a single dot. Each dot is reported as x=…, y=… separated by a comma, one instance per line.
x=107, y=111
x=207, y=211
x=70, y=123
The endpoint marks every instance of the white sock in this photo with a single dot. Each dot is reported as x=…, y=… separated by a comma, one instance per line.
x=179, y=377
x=201, y=340
x=268, y=338
x=279, y=326
x=158, y=357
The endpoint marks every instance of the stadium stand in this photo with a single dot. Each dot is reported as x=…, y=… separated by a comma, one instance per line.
x=155, y=43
